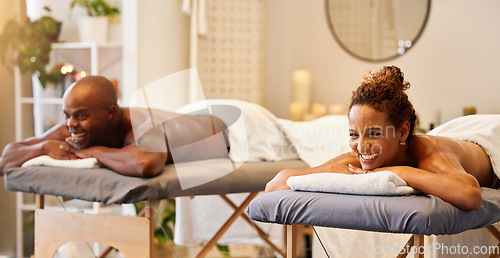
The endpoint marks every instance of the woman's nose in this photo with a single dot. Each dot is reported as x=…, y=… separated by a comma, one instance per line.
x=363, y=145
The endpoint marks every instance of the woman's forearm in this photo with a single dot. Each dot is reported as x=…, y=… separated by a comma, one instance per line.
x=460, y=189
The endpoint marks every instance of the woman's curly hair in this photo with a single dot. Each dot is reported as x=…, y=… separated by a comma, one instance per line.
x=384, y=91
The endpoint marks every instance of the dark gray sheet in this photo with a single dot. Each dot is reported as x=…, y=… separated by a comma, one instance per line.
x=416, y=214
x=107, y=186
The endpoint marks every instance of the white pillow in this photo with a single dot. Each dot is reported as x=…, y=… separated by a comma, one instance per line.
x=319, y=140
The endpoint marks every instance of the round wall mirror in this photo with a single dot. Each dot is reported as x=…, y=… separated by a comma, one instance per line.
x=377, y=30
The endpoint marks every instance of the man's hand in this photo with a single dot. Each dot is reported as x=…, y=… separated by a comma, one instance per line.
x=79, y=153
x=58, y=150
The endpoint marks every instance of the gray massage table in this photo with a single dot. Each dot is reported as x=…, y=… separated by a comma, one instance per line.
x=415, y=214
x=131, y=235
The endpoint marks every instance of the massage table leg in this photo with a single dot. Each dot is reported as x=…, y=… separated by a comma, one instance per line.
x=150, y=216
x=494, y=231
x=261, y=233
x=415, y=240
x=40, y=201
x=419, y=242
x=238, y=211
x=291, y=241
x=133, y=236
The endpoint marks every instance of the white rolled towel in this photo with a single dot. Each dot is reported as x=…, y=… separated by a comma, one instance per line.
x=46, y=160
x=376, y=183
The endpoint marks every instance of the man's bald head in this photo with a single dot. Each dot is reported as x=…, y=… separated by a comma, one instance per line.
x=91, y=111
x=97, y=89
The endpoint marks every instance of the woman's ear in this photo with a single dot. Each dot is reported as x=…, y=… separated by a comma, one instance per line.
x=404, y=131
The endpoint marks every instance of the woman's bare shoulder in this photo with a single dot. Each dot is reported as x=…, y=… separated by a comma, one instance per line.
x=432, y=144
x=424, y=146
x=470, y=156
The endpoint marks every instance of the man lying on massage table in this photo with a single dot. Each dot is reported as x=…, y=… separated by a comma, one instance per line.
x=95, y=126
x=381, y=129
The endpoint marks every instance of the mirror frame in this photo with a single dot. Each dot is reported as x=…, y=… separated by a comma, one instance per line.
x=332, y=31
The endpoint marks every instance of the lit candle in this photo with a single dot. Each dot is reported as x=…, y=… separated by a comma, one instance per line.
x=309, y=117
x=302, y=87
x=336, y=109
x=469, y=110
x=318, y=109
x=296, y=111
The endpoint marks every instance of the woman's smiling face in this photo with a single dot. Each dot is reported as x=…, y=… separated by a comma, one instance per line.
x=372, y=137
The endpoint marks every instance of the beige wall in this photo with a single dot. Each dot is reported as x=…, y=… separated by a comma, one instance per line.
x=8, y=9
x=155, y=42
x=452, y=65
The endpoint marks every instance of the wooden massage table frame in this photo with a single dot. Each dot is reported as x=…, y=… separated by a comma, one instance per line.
x=80, y=227
x=415, y=240
x=417, y=215
x=54, y=227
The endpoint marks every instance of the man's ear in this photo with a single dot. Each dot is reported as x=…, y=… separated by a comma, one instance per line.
x=404, y=130
x=112, y=110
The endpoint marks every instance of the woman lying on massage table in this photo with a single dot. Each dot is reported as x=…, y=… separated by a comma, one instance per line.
x=95, y=126
x=381, y=128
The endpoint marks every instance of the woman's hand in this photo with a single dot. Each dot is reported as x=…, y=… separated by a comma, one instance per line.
x=356, y=170
x=279, y=181
x=335, y=168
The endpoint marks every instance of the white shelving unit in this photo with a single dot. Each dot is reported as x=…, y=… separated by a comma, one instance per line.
x=97, y=59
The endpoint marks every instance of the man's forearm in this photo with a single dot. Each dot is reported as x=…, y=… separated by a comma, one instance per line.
x=15, y=154
x=115, y=159
x=128, y=160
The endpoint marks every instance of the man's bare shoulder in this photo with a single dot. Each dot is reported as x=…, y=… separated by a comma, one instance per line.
x=138, y=115
x=137, y=120
x=57, y=132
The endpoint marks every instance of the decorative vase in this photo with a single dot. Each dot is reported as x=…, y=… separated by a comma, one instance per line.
x=93, y=29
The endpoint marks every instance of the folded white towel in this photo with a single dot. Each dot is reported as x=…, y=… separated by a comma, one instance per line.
x=377, y=183
x=46, y=160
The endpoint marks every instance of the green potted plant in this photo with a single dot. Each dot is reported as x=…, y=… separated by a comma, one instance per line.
x=165, y=226
x=54, y=35
x=27, y=45
x=94, y=26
